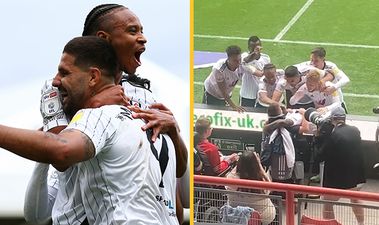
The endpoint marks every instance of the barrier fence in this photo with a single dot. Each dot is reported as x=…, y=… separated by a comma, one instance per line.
x=211, y=200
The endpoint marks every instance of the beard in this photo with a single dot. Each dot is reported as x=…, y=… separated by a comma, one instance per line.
x=71, y=107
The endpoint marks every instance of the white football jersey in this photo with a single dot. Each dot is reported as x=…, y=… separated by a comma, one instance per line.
x=123, y=183
x=340, y=78
x=249, y=84
x=139, y=96
x=220, y=72
x=270, y=88
x=68, y=207
x=320, y=99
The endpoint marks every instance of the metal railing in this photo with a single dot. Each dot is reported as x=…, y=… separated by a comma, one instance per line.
x=371, y=204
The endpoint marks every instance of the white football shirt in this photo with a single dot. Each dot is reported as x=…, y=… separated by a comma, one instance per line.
x=249, y=84
x=220, y=73
x=122, y=184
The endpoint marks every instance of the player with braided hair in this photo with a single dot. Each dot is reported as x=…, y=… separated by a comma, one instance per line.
x=122, y=29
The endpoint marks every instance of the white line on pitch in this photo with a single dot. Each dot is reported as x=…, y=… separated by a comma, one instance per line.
x=290, y=42
x=344, y=94
x=293, y=20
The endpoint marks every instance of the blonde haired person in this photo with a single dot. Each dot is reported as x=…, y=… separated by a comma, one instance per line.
x=313, y=88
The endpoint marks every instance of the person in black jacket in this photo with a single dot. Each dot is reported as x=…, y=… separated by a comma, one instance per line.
x=344, y=166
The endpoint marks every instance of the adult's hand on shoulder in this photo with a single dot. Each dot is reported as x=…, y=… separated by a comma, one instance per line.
x=158, y=117
x=110, y=96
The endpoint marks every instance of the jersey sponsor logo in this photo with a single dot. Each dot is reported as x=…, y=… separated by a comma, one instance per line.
x=53, y=94
x=167, y=202
x=125, y=113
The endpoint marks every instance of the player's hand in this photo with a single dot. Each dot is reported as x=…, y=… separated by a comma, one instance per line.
x=239, y=109
x=157, y=117
x=301, y=111
x=322, y=110
x=51, y=107
x=330, y=90
x=110, y=96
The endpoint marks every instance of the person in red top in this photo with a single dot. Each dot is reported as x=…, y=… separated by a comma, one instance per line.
x=214, y=163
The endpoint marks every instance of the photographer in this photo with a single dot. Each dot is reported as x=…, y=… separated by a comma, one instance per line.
x=344, y=142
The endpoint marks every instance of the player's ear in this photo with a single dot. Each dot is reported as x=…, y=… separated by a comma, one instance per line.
x=95, y=76
x=103, y=34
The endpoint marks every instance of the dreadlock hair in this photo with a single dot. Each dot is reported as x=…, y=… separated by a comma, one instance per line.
x=92, y=25
x=135, y=80
x=93, y=19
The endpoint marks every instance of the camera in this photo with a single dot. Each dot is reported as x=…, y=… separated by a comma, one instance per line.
x=323, y=123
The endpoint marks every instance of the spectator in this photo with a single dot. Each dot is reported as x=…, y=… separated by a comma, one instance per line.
x=255, y=60
x=213, y=162
x=249, y=167
x=268, y=85
x=343, y=143
x=219, y=85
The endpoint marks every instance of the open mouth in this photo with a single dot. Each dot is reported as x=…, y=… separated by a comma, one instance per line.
x=64, y=95
x=138, y=54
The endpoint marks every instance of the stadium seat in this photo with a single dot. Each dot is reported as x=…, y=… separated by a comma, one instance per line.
x=255, y=218
x=305, y=220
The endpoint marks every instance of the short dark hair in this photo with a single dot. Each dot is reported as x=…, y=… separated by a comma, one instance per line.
x=269, y=66
x=319, y=52
x=92, y=51
x=253, y=39
x=233, y=50
x=291, y=71
x=272, y=109
x=96, y=16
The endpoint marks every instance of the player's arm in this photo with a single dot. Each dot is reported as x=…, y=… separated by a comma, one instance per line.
x=183, y=187
x=252, y=70
x=340, y=80
x=39, y=196
x=221, y=84
x=277, y=95
x=222, y=87
x=42, y=190
x=110, y=96
x=279, y=89
x=63, y=150
x=335, y=101
x=262, y=95
x=270, y=127
x=179, y=208
x=299, y=94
